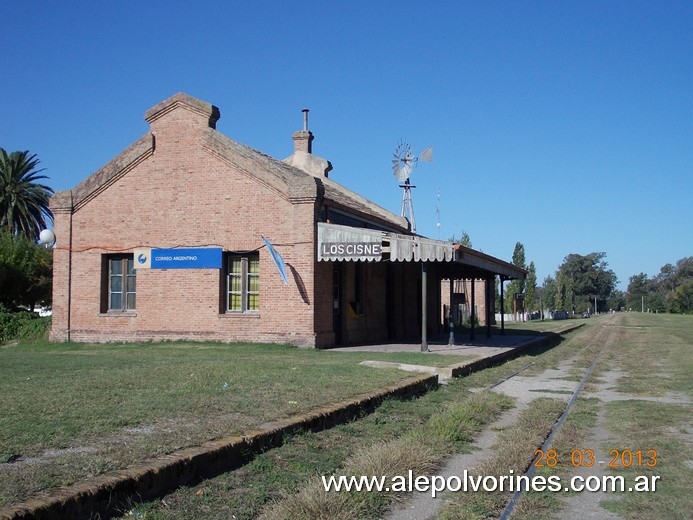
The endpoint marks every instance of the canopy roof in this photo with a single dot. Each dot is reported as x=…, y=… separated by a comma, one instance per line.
x=352, y=244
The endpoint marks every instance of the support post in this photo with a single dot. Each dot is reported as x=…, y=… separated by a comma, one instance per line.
x=502, y=307
x=424, y=321
x=488, y=307
x=451, y=317
x=472, y=314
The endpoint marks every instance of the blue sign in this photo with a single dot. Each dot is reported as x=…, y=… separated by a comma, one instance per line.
x=192, y=258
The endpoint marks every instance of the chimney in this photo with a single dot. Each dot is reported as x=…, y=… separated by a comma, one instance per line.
x=303, y=139
x=303, y=157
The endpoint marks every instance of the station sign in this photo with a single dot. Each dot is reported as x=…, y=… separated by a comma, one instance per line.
x=351, y=250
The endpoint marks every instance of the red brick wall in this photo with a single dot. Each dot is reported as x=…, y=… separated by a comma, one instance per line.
x=479, y=296
x=183, y=195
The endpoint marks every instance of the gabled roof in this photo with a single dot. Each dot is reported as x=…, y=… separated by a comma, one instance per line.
x=293, y=183
x=182, y=100
x=98, y=181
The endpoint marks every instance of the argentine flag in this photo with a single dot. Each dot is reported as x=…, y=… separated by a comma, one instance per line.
x=278, y=260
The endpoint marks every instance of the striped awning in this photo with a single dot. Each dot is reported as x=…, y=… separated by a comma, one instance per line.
x=352, y=244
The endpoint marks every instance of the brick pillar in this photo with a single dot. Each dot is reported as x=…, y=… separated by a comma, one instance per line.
x=61, y=206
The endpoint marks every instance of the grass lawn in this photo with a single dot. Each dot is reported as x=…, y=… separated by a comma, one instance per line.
x=281, y=483
x=537, y=326
x=656, y=365
x=70, y=411
x=648, y=367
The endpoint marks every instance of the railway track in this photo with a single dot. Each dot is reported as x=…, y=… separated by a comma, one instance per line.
x=531, y=469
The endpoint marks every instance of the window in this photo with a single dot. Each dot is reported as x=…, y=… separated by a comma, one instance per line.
x=243, y=283
x=121, y=283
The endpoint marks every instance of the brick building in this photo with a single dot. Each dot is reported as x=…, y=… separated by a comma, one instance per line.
x=166, y=242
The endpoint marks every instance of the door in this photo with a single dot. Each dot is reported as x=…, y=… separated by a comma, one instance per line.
x=337, y=303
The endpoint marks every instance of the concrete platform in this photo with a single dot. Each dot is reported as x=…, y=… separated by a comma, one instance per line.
x=480, y=347
x=483, y=352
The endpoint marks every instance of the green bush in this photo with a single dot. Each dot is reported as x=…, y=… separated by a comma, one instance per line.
x=23, y=325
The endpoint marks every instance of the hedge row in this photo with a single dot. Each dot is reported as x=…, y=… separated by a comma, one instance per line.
x=23, y=325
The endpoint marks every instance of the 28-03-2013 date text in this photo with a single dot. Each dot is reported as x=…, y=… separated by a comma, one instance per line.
x=586, y=458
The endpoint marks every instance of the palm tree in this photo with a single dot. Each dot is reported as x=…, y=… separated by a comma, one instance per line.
x=23, y=202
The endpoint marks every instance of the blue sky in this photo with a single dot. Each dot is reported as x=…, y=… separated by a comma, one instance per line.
x=567, y=126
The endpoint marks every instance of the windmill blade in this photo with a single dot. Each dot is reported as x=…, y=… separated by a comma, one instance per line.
x=396, y=166
x=403, y=162
x=402, y=171
x=427, y=155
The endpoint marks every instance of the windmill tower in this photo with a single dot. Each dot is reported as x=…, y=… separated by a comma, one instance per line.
x=403, y=165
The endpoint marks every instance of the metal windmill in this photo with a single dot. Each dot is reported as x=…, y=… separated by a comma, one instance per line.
x=403, y=165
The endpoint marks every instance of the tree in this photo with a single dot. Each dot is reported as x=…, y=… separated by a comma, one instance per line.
x=669, y=291
x=516, y=286
x=531, y=288
x=667, y=278
x=26, y=271
x=519, y=261
x=584, y=278
x=564, y=291
x=23, y=202
x=637, y=291
x=464, y=240
x=674, y=284
x=548, y=293
x=681, y=298
x=616, y=301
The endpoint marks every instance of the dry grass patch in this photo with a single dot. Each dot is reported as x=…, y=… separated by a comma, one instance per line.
x=666, y=428
x=514, y=450
x=419, y=451
x=573, y=433
x=313, y=503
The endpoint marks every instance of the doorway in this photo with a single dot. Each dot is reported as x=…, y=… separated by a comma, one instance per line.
x=337, y=302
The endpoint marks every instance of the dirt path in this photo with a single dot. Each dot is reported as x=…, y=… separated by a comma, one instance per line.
x=588, y=505
x=554, y=383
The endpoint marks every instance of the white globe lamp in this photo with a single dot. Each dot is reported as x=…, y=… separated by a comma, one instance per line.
x=46, y=236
